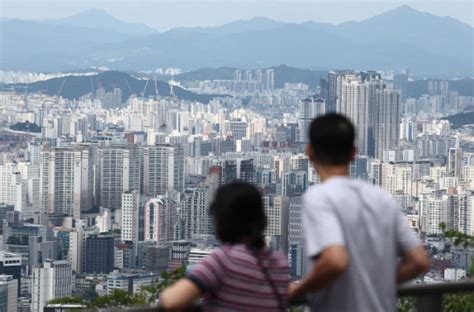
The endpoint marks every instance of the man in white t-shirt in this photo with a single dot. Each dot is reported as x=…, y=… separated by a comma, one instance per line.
x=357, y=240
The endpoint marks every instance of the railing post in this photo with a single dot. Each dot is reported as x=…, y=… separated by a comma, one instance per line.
x=429, y=303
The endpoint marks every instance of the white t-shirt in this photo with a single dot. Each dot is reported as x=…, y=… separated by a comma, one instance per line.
x=368, y=222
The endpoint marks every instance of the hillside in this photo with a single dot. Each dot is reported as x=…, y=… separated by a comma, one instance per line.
x=77, y=86
x=462, y=119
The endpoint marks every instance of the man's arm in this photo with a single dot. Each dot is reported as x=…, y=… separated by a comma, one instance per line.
x=413, y=263
x=331, y=263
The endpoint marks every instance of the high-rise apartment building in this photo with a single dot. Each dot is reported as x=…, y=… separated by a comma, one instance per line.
x=373, y=108
x=229, y=173
x=459, y=213
x=67, y=182
x=310, y=108
x=276, y=210
x=247, y=171
x=160, y=218
x=295, y=236
x=53, y=280
x=198, y=221
x=270, y=79
x=8, y=293
x=13, y=189
x=130, y=216
x=117, y=171
x=353, y=102
x=386, y=125
x=455, y=162
x=163, y=169
x=432, y=213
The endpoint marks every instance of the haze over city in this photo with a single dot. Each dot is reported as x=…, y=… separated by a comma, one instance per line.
x=345, y=130
x=164, y=15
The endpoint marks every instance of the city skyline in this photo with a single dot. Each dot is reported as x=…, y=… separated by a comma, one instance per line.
x=117, y=140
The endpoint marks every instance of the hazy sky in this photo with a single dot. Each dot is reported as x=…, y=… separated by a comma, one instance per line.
x=165, y=14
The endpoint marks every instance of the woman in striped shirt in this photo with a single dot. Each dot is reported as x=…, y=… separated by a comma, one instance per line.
x=242, y=274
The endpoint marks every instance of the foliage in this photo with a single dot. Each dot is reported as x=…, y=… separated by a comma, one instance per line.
x=166, y=280
x=458, y=303
x=456, y=237
x=26, y=126
x=406, y=304
x=117, y=298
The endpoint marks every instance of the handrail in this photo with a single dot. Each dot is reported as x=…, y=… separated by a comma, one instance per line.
x=429, y=296
x=412, y=289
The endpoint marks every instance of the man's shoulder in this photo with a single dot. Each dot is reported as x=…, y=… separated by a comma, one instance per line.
x=315, y=192
x=338, y=188
x=374, y=190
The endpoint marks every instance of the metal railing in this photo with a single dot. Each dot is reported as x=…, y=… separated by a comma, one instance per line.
x=427, y=297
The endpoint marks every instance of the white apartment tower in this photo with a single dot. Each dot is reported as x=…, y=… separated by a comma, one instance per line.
x=163, y=169
x=66, y=180
x=13, y=189
x=360, y=96
x=52, y=281
x=353, y=102
x=117, y=171
x=130, y=215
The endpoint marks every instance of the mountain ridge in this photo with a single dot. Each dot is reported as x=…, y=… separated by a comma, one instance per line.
x=400, y=38
x=97, y=18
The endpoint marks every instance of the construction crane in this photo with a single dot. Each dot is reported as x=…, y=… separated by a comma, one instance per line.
x=60, y=87
x=172, y=82
x=156, y=88
x=144, y=89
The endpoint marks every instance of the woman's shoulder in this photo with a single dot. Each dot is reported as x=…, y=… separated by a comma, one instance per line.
x=279, y=259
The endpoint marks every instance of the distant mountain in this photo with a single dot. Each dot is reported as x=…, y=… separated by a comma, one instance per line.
x=254, y=24
x=94, y=18
x=36, y=46
x=462, y=119
x=77, y=86
x=400, y=38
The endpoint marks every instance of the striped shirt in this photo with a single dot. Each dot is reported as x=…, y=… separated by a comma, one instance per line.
x=232, y=280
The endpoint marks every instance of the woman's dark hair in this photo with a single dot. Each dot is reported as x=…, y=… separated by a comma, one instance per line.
x=239, y=215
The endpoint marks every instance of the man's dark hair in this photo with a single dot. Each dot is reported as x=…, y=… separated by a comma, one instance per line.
x=239, y=214
x=332, y=139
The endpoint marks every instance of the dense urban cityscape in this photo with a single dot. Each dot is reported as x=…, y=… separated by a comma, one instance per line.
x=112, y=188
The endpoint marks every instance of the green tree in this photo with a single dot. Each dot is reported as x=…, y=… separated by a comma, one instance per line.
x=459, y=302
x=117, y=298
x=166, y=279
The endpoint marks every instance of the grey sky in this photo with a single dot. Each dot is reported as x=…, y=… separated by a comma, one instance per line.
x=166, y=14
